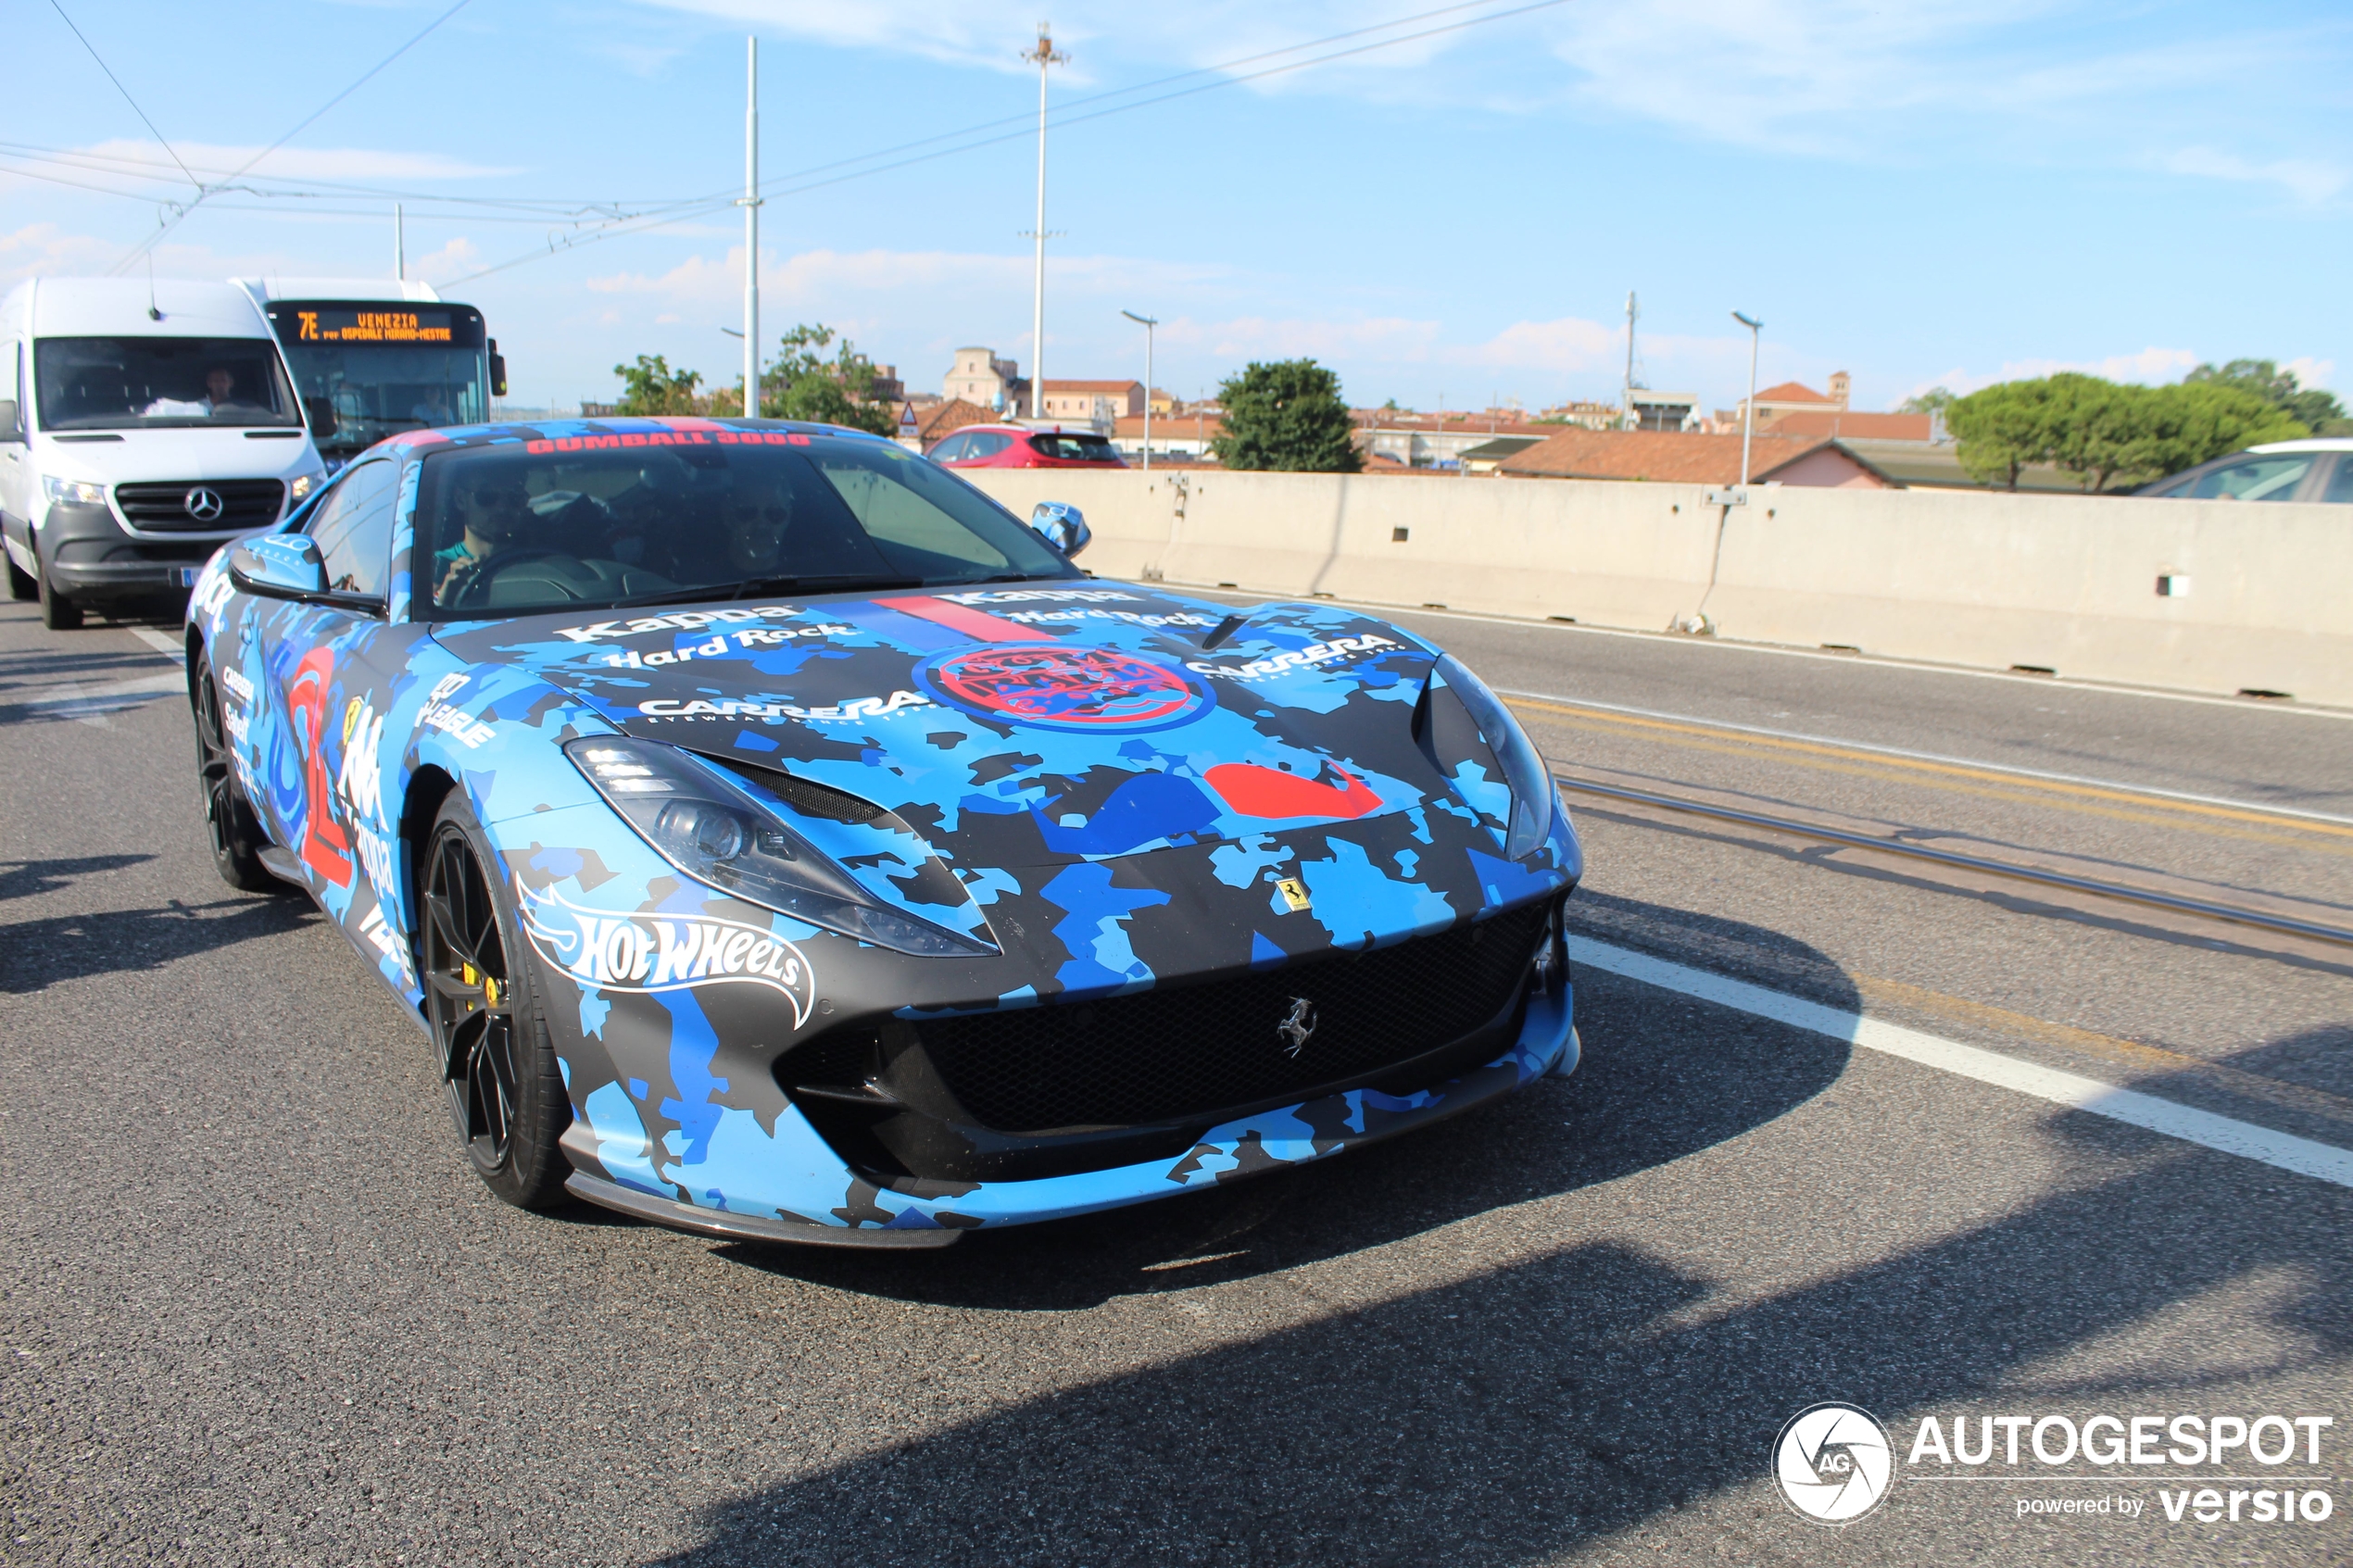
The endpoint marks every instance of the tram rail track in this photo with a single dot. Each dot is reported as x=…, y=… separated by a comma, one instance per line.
x=2123, y=892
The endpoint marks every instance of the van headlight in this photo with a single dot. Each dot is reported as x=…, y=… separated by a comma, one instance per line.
x=702, y=823
x=72, y=491
x=1472, y=736
x=302, y=485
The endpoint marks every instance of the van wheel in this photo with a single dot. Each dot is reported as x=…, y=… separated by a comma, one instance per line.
x=57, y=612
x=20, y=583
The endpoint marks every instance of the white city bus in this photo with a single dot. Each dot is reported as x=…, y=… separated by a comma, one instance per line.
x=371, y=358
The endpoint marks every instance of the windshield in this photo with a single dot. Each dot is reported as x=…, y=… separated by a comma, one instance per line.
x=143, y=383
x=546, y=525
x=1075, y=449
x=379, y=389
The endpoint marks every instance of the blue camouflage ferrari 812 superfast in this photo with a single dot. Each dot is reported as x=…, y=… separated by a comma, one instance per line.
x=778, y=839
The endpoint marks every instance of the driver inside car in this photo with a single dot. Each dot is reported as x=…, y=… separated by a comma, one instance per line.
x=499, y=516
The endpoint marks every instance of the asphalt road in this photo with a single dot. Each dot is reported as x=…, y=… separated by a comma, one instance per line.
x=258, y=1309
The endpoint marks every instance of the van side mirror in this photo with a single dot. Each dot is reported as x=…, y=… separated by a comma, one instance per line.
x=279, y=566
x=1060, y=525
x=497, y=371
x=11, y=422
x=320, y=413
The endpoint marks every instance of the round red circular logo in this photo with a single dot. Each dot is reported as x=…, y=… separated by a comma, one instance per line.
x=1057, y=687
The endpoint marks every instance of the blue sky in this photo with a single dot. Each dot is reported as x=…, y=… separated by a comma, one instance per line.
x=1925, y=193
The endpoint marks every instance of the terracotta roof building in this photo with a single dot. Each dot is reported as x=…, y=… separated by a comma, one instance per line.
x=1096, y=400
x=943, y=419
x=1677, y=457
x=1848, y=425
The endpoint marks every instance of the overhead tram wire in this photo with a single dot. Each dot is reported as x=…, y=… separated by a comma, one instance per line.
x=783, y=186
x=160, y=139
x=365, y=77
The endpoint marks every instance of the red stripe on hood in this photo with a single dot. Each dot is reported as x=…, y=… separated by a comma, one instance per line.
x=974, y=623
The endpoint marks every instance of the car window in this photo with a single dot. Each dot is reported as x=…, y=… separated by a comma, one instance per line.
x=1073, y=448
x=514, y=527
x=353, y=526
x=139, y=382
x=2340, y=486
x=2271, y=478
x=951, y=449
x=988, y=444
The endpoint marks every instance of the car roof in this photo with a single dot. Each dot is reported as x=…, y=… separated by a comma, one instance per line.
x=2310, y=444
x=1024, y=429
x=617, y=424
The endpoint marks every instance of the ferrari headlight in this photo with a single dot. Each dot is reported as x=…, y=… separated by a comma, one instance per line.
x=1528, y=782
x=302, y=485
x=72, y=491
x=710, y=827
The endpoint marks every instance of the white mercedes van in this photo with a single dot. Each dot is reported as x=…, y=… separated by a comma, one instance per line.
x=140, y=426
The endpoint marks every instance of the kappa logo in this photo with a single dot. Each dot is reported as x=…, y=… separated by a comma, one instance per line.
x=1833, y=1463
x=611, y=950
x=1058, y=687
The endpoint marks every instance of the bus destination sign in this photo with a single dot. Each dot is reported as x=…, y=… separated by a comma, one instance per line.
x=328, y=325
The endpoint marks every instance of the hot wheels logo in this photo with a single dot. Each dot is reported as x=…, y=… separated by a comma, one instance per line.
x=618, y=951
x=1058, y=687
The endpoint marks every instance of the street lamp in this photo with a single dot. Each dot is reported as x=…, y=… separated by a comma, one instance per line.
x=1748, y=409
x=1148, y=323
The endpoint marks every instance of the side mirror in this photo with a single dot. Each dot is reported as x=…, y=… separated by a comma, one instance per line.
x=497, y=371
x=321, y=412
x=279, y=566
x=1060, y=525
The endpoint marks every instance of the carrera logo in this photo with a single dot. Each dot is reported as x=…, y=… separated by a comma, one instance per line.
x=612, y=951
x=1295, y=658
x=729, y=708
x=683, y=620
x=1057, y=687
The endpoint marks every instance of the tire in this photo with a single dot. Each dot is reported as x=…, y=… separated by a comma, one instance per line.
x=230, y=828
x=485, y=1005
x=21, y=586
x=57, y=612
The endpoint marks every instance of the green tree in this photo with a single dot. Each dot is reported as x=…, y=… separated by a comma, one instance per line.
x=2105, y=433
x=2312, y=406
x=2186, y=425
x=650, y=386
x=1288, y=418
x=1935, y=400
x=2003, y=429
x=802, y=384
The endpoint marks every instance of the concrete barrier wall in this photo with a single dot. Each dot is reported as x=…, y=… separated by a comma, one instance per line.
x=2064, y=583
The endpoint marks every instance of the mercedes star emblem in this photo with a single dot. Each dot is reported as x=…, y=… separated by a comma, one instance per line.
x=204, y=505
x=1297, y=1024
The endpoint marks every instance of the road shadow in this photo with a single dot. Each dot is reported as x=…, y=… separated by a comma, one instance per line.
x=39, y=953
x=1516, y=1415
x=27, y=879
x=1631, y=1105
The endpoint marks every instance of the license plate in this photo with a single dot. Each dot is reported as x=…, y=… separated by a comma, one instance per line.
x=185, y=576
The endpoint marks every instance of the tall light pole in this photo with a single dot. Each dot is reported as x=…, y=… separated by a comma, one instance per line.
x=1748, y=409
x=399, y=245
x=1148, y=323
x=1044, y=55
x=751, y=204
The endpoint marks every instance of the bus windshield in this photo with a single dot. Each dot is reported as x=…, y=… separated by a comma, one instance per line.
x=381, y=368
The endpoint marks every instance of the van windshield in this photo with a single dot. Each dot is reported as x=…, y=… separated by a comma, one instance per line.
x=153, y=382
x=680, y=514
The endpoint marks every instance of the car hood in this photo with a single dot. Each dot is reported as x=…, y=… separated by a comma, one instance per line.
x=1023, y=725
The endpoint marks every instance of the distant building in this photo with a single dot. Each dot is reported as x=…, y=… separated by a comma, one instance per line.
x=1662, y=410
x=942, y=420
x=1424, y=440
x=1790, y=397
x=887, y=387
x=1586, y=414
x=980, y=377
x=1681, y=458
x=1097, y=402
x=1178, y=438
x=1852, y=426
x=1164, y=403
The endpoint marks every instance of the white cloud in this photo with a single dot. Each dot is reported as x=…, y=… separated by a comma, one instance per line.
x=1389, y=339
x=2309, y=181
x=458, y=256
x=129, y=160
x=2311, y=372
x=1570, y=344
x=45, y=249
x=2150, y=366
x=820, y=276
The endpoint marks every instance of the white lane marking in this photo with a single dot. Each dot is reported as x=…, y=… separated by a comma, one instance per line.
x=2302, y=1156
x=162, y=642
x=1934, y=756
x=1729, y=644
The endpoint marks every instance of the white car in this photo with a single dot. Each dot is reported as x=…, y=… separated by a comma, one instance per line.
x=2315, y=470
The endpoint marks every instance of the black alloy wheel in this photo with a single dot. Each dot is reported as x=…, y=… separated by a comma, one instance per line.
x=57, y=612
x=231, y=827
x=506, y=1092
x=20, y=583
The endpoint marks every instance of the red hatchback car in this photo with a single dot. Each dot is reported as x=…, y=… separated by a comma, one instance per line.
x=1023, y=446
